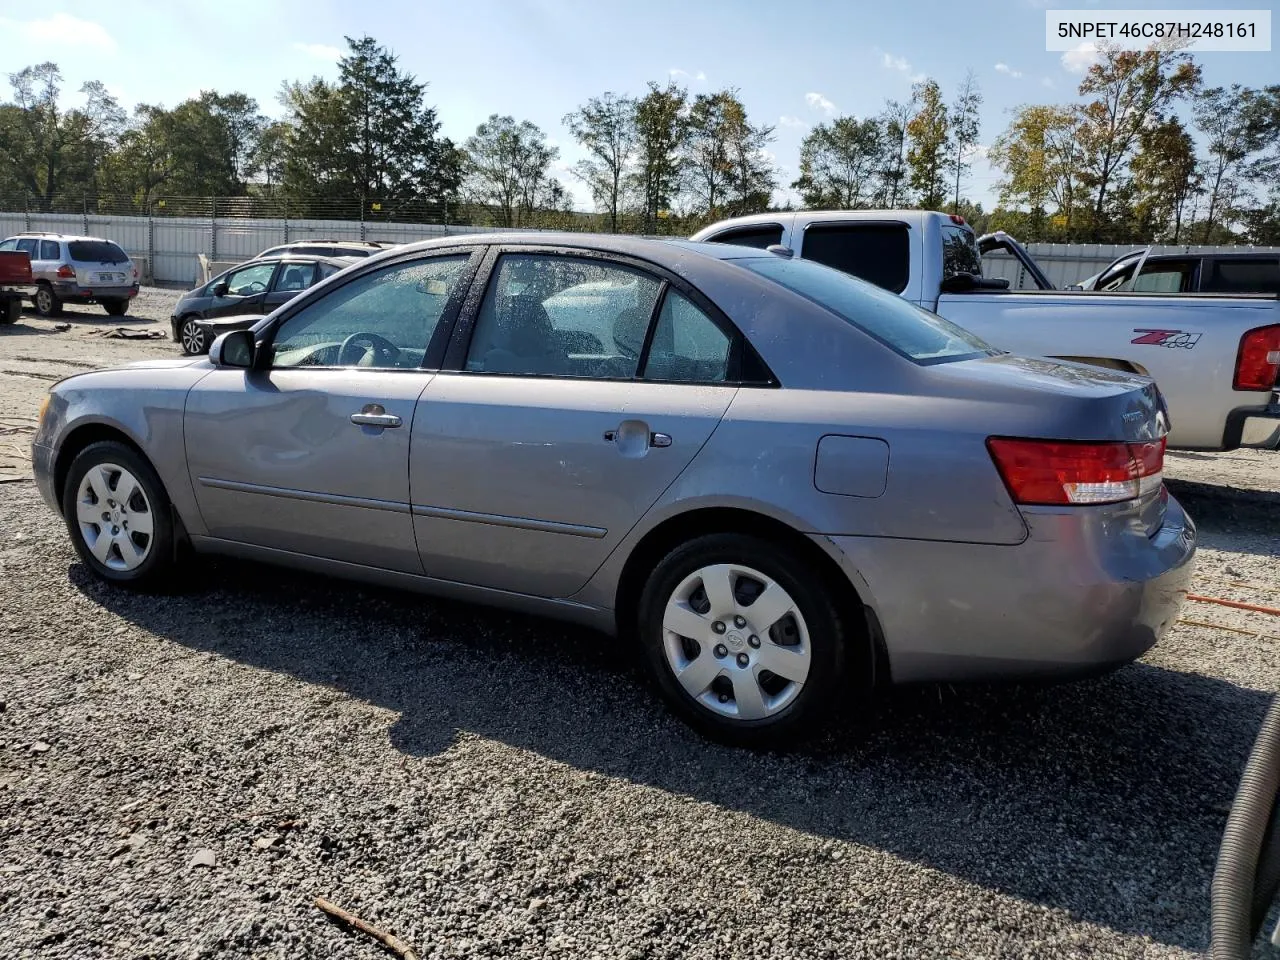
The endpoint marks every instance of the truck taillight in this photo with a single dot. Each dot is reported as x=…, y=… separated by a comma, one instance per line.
x=66, y=272
x=1258, y=361
x=1063, y=472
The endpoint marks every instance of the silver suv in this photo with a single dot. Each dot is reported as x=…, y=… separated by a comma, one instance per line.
x=69, y=269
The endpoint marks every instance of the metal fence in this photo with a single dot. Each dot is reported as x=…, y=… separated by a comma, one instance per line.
x=169, y=240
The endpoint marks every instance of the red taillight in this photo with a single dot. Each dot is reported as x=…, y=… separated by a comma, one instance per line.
x=1258, y=362
x=1048, y=472
x=66, y=273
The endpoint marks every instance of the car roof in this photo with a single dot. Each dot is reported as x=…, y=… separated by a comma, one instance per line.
x=69, y=237
x=665, y=252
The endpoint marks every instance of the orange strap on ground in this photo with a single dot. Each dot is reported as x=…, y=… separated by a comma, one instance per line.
x=1256, y=608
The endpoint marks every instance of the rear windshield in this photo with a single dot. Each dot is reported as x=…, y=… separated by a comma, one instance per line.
x=96, y=251
x=902, y=326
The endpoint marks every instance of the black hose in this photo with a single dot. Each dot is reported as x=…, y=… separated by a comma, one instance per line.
x=1241, y=865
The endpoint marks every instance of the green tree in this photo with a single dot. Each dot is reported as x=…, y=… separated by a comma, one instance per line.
x=1235, y=124
x=893, y=120
x=661, y=132
x=839, y=163
x=1165, y=176
x=965, y=128
x=606, y=127
x=393, y=135
x=929, y=134
x=508, y=167
x=727, y=173
x=1039, y=159
x=1128, y=89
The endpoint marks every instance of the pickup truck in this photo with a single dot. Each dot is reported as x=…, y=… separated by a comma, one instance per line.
x=1215, y=358
x=16, y=284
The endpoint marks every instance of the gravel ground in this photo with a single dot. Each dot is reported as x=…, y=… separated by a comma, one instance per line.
x=487, y=785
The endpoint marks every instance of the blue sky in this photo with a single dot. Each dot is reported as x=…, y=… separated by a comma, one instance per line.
x=795, y=62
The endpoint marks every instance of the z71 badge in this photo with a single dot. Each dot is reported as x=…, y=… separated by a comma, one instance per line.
x=1167, y=338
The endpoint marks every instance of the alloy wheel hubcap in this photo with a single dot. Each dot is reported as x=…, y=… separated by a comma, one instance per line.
x=736, y=641
x=192, y=337
x=43, y=300
x=115, y=517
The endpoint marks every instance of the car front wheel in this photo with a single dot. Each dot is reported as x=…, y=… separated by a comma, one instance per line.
x=192, y=335
x=743, y=639
x=118, y=515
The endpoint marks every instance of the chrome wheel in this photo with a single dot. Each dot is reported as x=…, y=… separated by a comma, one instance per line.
x=192, y=337
x=114, y=517
x=736, y=642
x=44, y=301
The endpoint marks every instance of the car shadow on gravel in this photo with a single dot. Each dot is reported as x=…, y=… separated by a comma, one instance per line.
x=1104, y=799
x=1243, y=521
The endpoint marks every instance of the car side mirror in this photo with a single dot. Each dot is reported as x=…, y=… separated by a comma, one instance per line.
x=221, y=289
x=235, y=348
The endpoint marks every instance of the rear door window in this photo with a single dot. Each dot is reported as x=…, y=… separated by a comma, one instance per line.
x=959, y=251
x=1172, y=276
x=294, y=277
x=96, y=251
x=761, y=236
x=49, y=250
x=879, y=253
x=1243, y=276
x=687, y=345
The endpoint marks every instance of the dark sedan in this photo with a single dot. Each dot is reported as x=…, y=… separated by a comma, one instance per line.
x=239, y=297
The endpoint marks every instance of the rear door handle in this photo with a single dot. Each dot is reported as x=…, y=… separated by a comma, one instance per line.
x=375, y=415
x=655, y=439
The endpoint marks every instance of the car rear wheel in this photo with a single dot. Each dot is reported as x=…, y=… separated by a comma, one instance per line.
x=743, y=639
x=47, y=302
x=193, y=337
x=117, y=308
x=10, y=309
x=118, y=515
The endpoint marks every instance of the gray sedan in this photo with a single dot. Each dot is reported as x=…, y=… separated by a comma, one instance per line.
x=786, y=485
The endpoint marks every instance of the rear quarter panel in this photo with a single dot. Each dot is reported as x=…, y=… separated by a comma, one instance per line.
x=1187, y=344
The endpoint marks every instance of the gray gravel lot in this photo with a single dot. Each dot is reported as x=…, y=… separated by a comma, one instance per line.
x=488, y=785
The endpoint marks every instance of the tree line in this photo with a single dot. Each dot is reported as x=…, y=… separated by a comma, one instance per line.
x=1120, y=164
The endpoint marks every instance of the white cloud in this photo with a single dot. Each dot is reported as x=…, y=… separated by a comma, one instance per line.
x=1008, y=70
x=818, y=102
x=321, y=51
x=789, y=121
x=61, y=29
x=901, y=64
x=1081, y=58
x=686, y=75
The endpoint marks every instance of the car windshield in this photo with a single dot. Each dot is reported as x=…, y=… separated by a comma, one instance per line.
x=902, y=326
x=96, y=251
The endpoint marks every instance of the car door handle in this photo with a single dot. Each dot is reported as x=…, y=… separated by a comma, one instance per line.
x=375, y=415
x=655, y=439
x=376, y=419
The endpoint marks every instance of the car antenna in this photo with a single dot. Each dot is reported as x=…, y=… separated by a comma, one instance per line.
x=781, y=251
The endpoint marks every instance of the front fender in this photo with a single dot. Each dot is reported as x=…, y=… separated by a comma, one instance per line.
x=144, y=407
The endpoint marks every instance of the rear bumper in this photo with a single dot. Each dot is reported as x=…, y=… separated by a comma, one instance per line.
x=1087, y=591
x=74, y=293
x=1254, y=427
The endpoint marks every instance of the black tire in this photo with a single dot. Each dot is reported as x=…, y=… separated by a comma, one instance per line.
x=829, y=638
x=157, y=568
x=10, y=309
x=47, y=302
x=116, y=308
x=192, y=337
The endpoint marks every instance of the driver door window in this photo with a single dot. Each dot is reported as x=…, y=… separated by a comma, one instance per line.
x=381, y=320
x=250, y=281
